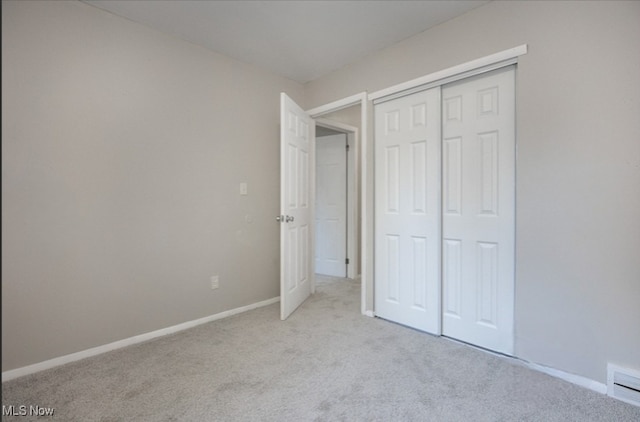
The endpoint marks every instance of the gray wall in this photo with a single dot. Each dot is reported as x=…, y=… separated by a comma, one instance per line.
x=578, y=168
x=123, y=150
x=122, y=154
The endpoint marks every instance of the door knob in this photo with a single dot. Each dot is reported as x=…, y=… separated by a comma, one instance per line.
x=289, y=218
x=279, y=218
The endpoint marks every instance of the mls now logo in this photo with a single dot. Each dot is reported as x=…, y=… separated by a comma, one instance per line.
x=23, y=410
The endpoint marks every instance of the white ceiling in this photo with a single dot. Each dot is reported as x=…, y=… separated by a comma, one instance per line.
x=301, y=40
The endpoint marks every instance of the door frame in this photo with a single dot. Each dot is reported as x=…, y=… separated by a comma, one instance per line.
x=360, y=150
x=352, y=184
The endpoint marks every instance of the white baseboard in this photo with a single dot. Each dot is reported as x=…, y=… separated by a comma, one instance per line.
x=52, y=363
x=572, y=378
x=593, y=385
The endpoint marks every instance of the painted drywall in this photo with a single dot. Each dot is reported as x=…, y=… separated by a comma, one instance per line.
x=123, y=150
x=578, y=165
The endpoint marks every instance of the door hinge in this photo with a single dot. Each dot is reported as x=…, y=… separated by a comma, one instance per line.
x=346, y=261
x=347, y=147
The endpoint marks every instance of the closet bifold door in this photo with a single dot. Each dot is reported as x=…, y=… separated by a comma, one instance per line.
x=478, y=210
x=408, y=211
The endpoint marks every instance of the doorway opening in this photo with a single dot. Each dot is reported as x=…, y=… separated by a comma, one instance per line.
x=297, y=195
x=349, y=115
x=336, y=243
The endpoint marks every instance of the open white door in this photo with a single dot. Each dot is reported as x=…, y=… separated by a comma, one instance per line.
x=331, y=205
x=297, y=132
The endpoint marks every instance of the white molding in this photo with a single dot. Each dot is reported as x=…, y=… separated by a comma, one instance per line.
x=366, y=283
x=579, y=380
x=52, y=363
x=572, y=378
x=337, y=105
x=335, y=125
x=464, y=70
x=353, y=139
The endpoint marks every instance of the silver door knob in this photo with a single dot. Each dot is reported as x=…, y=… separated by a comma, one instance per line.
x=289, y=218
x=279, y=218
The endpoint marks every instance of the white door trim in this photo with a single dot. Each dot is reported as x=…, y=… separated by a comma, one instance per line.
x=337, y=105
x=451, y=74
x=361, y=151
x=352, y=184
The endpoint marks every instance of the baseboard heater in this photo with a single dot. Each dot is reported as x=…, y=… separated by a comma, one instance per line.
x=623, y=384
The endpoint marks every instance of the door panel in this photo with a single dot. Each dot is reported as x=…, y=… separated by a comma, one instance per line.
x=479, y=210
x=296, y=146
x=407, y=210
x=331, y=205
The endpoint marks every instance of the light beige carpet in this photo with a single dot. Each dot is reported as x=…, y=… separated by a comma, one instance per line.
x=325, y=363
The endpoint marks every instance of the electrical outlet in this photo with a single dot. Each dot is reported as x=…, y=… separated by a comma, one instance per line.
x=215, y=282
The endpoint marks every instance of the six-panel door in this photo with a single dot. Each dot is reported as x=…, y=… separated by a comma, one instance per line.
x=478, y=215
x=407, y=210
x=296, y=145
x=331, y=205
x=445, y=210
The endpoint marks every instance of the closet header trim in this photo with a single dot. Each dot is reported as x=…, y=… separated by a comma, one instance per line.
x=452, y=74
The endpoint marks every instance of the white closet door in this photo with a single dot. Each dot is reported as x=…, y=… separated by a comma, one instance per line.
x=407, y=210
x=479, y=210
x=331, y=205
